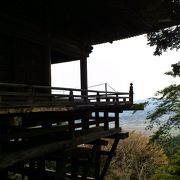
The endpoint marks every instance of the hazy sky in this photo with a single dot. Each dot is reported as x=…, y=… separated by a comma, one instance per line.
x=119, y=64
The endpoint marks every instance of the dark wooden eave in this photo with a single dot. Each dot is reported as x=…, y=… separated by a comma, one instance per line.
x=70, y=28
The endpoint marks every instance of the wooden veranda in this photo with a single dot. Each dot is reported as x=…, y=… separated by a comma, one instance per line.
x=38, y=121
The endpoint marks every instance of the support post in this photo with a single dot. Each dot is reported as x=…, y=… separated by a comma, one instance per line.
x=41, y=168
x=106, y=118
x=97, y=112
x=106, y=123
x=60, y=168
x=32, y=166
x=116, y=119
x=74, y=169
x=109, y=158
x=84, y=86
x=71, y=127
x=131, y=93
x=84, y=77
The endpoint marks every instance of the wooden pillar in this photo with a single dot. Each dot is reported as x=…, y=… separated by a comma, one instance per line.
x=32, y=166
x=116, y=119
x=49, y=66
x=84, y=85
x=60, y=168
x=84, y=77
x=71, y=127
x=83, y=68
x=106, y=118
x=74, y=169
x=97, y=160
x=41, y=168
x=109, y=158
x=97, y=112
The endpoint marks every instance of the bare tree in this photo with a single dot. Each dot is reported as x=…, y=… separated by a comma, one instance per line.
x=136, y=159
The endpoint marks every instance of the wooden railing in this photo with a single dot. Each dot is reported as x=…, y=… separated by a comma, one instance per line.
x=21, y=93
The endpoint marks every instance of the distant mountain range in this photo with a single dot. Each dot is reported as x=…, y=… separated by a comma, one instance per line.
x=136, y=121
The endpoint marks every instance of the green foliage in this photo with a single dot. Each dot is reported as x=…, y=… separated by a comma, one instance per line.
x=175, y=70
x=164, y=39
x=172, y=170
x=169, y=105
x=139, y=106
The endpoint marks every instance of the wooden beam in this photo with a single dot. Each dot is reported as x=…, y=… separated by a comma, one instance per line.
x=9, y=159
x=109, y=158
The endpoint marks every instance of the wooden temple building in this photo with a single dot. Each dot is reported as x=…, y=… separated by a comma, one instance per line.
x=40, y=124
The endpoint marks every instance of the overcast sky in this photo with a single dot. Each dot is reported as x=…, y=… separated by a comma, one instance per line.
x=119, y=64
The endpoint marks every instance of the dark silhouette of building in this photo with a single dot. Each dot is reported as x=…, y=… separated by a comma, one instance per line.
x=39, y=123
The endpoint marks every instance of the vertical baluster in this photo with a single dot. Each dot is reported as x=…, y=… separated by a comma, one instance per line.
x=124, y=99
x=98, y=97
x=117, y=97
x=71, y=96
x=85, y=95
x=97, y=112
x=106, y=118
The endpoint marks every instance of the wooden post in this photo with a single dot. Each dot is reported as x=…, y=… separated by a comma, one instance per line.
x=109, y=158
x=116, y=119
x=106, y=89
x=106, y=120
x=117, y=97
x=83, y=68
x=97, y=112
x=106, y=123
x=97, y=160
x=49, y=66
x=71, y=127
x=32, y=166
x=84, y=77
x=131, y=93
x=74, y=169
x=60, y=168
x=85, y=121
x=71, y=97
x=41, y=168
x=84, y=86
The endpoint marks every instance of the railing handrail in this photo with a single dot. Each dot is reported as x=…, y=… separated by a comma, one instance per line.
x=36, y=91
x=59, y=88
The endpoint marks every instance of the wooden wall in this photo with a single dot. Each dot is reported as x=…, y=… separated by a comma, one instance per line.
x=24, y=62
